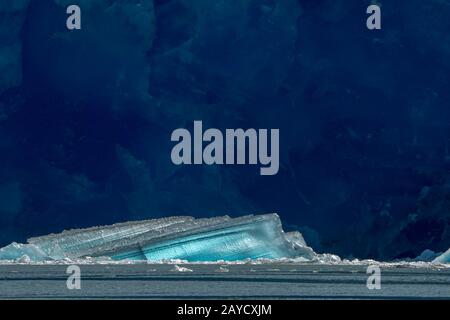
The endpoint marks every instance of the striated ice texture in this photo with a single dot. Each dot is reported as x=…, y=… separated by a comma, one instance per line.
x=22, y=253
x=443, y=258
x=186, y=238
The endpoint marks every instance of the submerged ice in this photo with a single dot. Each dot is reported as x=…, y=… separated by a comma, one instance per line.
x=186, y=238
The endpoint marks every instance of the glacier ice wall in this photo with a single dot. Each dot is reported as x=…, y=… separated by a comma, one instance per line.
x=12, y=15
x=187, y=238
x=141, y=68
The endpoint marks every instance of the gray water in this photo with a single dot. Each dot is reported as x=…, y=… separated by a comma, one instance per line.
x=270, y=281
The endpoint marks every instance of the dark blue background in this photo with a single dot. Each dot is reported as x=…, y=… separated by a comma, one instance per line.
x=86, y=116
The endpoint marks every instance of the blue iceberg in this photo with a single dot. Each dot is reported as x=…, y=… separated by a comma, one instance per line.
x=186, y=238
x=443, y=258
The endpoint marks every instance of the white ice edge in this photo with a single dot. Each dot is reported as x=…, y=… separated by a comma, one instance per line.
x=282, y=261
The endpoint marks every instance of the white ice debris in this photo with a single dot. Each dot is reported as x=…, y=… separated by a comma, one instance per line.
x=177, y=268
x=222, y=269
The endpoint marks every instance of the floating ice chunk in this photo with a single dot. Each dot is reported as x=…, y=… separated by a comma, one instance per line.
x=326, y=258
x=177, y=268
x=222, y=269
x=443, y=258
x=21, y=252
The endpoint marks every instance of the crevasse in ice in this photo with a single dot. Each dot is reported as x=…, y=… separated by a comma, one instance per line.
x=186, y=238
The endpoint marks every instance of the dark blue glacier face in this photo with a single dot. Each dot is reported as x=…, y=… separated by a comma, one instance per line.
x=86, y=116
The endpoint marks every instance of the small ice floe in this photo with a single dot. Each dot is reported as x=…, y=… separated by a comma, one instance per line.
x=222, y=269
x=274, y=269
x=177, y=268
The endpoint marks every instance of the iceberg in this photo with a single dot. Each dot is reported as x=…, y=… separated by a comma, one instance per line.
x=173, y=238
x=427, y=255
x=22, y=253
x=443, y=258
